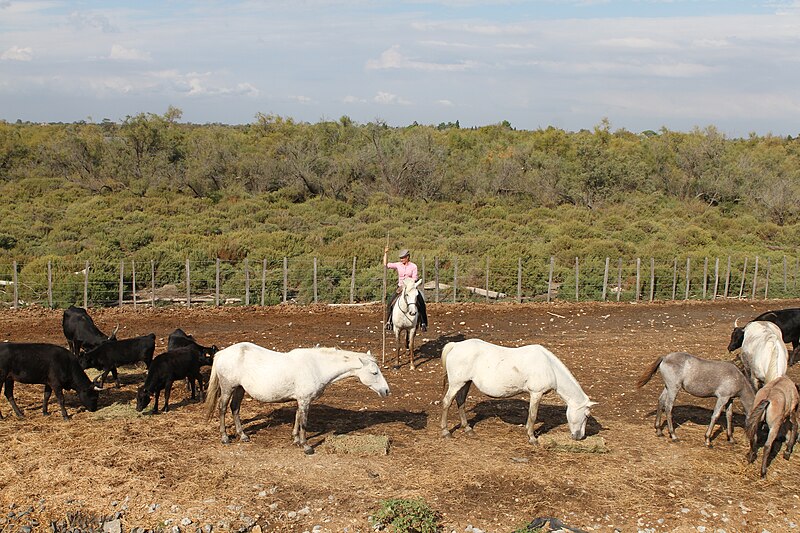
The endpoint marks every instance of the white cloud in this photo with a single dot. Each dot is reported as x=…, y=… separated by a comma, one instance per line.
x=637, y=43
x=17, y=53
x=300, y=99
x=119, y=52
x=445, y=103
x=389, y=99
x=393, y=59
x=349, y=99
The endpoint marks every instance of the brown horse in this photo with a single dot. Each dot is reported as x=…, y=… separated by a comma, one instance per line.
x=701, y=378
x=775, y=403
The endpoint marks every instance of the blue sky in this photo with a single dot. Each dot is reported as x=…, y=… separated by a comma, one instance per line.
x=643, y=64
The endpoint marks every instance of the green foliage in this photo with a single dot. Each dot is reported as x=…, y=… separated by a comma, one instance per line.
x=407, y=516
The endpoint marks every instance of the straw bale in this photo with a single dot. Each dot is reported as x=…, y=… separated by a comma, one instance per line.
x=357, y=444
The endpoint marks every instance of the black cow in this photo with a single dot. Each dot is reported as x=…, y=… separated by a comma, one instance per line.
x=48, y=364
x=181, y=339
x=80, y=331
x=788, y=320
x=111, y=354
x=170, y=366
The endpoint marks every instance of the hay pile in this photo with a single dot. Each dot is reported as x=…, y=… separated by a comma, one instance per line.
x=562, y=442
x=116, y=410
x=357, y=444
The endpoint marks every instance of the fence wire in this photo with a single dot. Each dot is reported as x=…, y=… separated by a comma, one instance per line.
x=59, y=282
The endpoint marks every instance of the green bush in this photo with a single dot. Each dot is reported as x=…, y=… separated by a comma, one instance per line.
x=407, y=516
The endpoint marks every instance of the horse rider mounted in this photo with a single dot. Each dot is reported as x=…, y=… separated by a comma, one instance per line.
x=405, y=270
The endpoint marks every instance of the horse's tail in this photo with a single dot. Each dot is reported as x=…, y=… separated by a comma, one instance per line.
x=648, y=373
x=212, y=392
x=447, y=347
x=755, y=417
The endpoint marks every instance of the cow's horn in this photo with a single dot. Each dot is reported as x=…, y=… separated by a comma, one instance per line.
x=736, y=322
x=98, y=388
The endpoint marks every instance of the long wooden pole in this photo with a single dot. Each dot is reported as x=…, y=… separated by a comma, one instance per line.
x=383, y=318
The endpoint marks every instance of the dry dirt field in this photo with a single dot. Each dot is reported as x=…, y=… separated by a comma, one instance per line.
x=172, y=466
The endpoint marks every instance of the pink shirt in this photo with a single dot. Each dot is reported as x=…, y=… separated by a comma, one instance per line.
x=407, y=271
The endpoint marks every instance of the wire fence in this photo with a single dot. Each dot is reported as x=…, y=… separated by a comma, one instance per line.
x=58, y=283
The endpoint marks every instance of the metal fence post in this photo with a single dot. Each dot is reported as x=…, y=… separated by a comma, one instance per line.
x=86, y=285
x=353, y=279
x=315, y=280
x=246, y=281
x=436, y=274
x=15, y=280
x=121, y=281
x=133, y=282
x=605, y=279
x=285, y=278
x=519, y=280
x=455, y=279
x=264, y=283
x=216, y=283
x=153, y=283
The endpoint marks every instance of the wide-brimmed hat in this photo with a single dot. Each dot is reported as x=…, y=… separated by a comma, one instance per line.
x=404, y=252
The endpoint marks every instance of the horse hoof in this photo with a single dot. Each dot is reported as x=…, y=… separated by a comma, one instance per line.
x=244, y=438
x=446, y=434
x=226, y=440
x=308, y=450
x=534, y=441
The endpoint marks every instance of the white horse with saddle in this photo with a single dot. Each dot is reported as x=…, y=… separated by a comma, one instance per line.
x=501, y=372
x=405, y=318
x=301, y=374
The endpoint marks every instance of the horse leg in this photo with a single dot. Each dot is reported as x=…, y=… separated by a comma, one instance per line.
x=773, y=433
x=224, y=399
x=729, y=420
x=236, y=403
x=398, y=339
x=302, y=416
x=461, y=400
x=452, y=389
x=60, y=397
x=721, y=402
x=670, y=402
x=47, y=392
x=791, y=437
x=533, y=412
x=662, y=402
x=412, y=333
x=10, y=397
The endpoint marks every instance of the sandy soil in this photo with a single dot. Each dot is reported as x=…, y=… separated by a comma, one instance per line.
x=173, y=466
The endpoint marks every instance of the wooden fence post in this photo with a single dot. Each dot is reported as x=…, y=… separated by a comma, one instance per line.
x=49, y=285
x=605, y=279
x=133, y=282
x=15, y=281
x=688, y=278
x=744, y=275
x=784, y=275
x=577, y=280
x=188, y=285
x=216, y=283
x=766, y=283
x=519, y=280
x=121, y=280
x=423, y=273
x=263, y=282
x=315, y=280
x=652, y=277
x=727, y=276
x=487, y=279
x=86, y=286
x=152, y=283
x=246, y=281
x=455, y=279
x=674, y=277
x=755, y=280
x=705, y=279
x=638, y=278
x=550, y=278
x=285, y=278
x=436, y=275
x=353, y=280
x=619, y=279
x=716, y=277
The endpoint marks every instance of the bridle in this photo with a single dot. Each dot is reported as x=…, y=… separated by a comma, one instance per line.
x=410, y=308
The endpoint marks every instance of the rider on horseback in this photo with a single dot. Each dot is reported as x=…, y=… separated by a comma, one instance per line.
x=405, y=270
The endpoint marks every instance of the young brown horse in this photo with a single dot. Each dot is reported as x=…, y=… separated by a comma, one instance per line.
x=775, y=403
x=701, y=378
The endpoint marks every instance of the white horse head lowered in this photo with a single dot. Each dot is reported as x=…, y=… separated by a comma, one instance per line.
x=301, y=374
x=502, y=372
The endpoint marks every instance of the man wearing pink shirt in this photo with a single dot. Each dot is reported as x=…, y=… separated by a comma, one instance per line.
x=405, y=270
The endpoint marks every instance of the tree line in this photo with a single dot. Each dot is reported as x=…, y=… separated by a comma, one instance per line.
x=350, y=162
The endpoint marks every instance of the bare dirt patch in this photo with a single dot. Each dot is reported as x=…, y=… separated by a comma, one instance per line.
x=173, y=466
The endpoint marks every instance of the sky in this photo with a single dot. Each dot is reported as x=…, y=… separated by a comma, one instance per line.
x=640, y=64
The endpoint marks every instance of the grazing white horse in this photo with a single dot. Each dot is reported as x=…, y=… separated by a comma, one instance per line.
x=764, y=355
x=405, y=318
x=502, y=372
x=301, y=374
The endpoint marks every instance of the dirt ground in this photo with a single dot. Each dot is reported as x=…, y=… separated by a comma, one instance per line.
x=172, y=466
